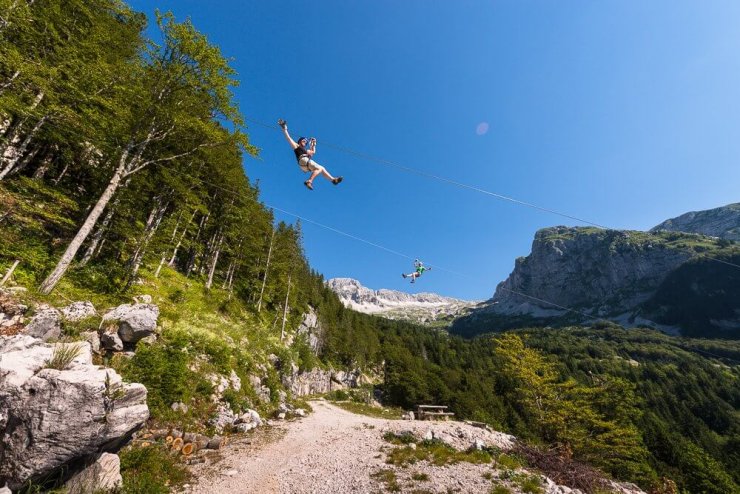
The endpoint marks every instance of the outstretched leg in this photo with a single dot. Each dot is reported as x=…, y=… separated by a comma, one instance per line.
x=317, y=170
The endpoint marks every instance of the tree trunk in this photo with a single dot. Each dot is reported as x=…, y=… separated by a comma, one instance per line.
x=61, y=175
x=214, y=262
x=179, y=242
x=9, y=82
x=152, y=224
x=285, y=311
x=9, y=273
x=267, y=268
x=159, y=267
x=92, y=249
x=40, y=172
x=193, y=254
x=12, y=156
x=51, y=281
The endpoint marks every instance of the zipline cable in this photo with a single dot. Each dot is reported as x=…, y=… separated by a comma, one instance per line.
x=589, y=317
x=422, y=173
x=416, y=171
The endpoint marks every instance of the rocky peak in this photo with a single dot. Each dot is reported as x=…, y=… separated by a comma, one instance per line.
x=393, y=304
x=722, y=222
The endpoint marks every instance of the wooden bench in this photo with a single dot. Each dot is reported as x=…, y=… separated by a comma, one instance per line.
x=431, y=412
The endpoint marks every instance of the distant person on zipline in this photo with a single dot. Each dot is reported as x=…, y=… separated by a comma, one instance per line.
x=419, y=270
x=304, y=151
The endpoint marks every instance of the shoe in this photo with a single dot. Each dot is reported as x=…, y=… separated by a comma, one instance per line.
x=413, y=281
x=308, y=184
x=337, y=180
x=404, y=276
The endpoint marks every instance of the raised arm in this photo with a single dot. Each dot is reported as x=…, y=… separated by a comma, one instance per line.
x=311, y=147
x=290, y=140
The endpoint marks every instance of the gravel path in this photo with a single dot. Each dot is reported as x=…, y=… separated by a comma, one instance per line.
x=332, y=451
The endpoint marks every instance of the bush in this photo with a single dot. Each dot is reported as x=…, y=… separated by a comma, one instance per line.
x=150, y=470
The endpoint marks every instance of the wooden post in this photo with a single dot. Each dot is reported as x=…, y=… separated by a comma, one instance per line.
x=10, y=272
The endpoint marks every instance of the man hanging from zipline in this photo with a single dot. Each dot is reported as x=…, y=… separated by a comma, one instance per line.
x=304, y=150
x=419, y=269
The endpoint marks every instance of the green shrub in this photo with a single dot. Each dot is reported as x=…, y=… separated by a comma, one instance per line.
x=150, y=470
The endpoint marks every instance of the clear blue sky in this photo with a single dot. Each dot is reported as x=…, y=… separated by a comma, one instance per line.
x=621, y=112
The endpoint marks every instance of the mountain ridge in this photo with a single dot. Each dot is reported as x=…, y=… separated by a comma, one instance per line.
x=424, y=307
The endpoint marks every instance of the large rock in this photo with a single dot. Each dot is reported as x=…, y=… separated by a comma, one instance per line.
x=46, y=324
x=311, y=329
x=103, y=475
x=78, y=311
x=319, y=381
x=111, y=341
x=51, y=419
x=135, y=321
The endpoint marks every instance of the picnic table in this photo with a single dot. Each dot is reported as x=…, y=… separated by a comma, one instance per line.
x=432, y=412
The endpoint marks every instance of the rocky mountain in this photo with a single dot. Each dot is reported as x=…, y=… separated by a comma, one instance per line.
x=634, y=278
x=426, y=308
x=722, y=222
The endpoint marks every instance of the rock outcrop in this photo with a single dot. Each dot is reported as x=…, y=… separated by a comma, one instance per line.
x=52, y=418
x=722, y=222
x=46, y=324
x=103, y=475
x=319, y=381
x=133, y=321
x=630, y=277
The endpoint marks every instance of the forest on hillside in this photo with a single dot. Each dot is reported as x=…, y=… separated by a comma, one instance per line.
x=120, y=152
x=121, y=160
x=637, y=403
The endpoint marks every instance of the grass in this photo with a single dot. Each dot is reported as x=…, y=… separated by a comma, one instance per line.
x=405, y=437
x=390, y=413
x=420, y=477
x=437, y=453
x=151, y=470
x=63, y=355
x=388, y=477
x=530, y=484
x=500, y=489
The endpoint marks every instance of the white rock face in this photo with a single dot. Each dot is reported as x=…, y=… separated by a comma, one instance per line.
x=49, y=418
x=103, y=475
x=135, y=321
x=78, y=311
x=420, y=307
x=46, y=324
x=722, y=222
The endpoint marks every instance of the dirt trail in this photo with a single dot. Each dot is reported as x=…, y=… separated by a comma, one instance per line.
x=331, y=450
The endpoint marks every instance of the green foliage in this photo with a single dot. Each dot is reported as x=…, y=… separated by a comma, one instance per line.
x=435, y=452
x=151, y=470
x=388, y=477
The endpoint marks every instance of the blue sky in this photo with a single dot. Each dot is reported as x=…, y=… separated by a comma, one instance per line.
x=624, y=113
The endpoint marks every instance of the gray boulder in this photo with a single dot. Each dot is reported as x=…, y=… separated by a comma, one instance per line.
x=103, y=475
x=51, y=419
x=111, y=341
x=135, y=321
x=78, y=311
x=93, y=338
x=46, y=324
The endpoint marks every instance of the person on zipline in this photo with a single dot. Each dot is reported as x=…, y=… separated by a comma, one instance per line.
x=419, y=270
x=304, y=155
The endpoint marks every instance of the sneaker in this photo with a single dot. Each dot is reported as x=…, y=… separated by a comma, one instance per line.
x=337, y=180
x=308, y=184
x=404, y=275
